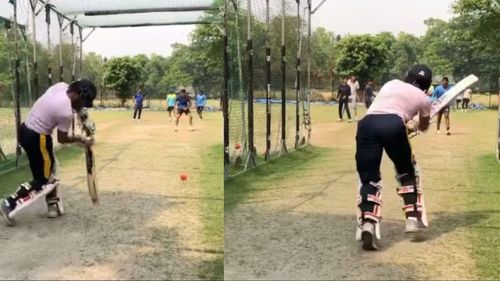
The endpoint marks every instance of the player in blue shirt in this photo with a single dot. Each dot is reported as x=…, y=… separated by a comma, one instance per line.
x=201, y=102
x=183, y=104
x=138, y=100
x=438, y=93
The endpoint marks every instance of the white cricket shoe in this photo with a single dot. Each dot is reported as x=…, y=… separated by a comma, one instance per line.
x=415, y=228
x=4, y=211
x=55, y=210
x=368, y=236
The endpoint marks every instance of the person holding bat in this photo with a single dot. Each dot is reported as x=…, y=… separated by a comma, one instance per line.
x=384, y=128
x=183, y=104
x=53, y=109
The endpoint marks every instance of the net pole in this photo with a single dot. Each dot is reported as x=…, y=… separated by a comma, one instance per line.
x=17, y=84
x=240, y=80
x=297, y=82
x=225, y=91
x=283, y=80
x=498, y=132
x=73, y=50
x=49, y=48
x=251, y=146
x=268, y=82
x=60, y=19
x=35, y=54
x=80, y=58
x=309, y=34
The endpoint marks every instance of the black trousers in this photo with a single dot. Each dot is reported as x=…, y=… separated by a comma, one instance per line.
x=344, y=104
x=465, y=103
x=39, y=149
x=137, y=112
x=368, y=102
x=375, y=134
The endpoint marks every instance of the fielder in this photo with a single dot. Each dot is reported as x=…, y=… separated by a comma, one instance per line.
x=53, y=109
x=384, y=128
x=183, y=104
x=201, y=102
x=436, y=94
x=171, y=98
x=354, y=85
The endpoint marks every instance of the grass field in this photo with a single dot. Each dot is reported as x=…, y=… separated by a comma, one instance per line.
x=149, y=224
x=295, y=217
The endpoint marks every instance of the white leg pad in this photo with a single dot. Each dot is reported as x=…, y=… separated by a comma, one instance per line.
x=33, y=197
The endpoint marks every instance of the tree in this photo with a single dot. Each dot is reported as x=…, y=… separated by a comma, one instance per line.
x=122, y=75
x=405, y=54
x=387, y=42
x=154, y=72
x=479, y=22
x=322, y=56
x=436, y=50
x=177, y=73
x=362, y=55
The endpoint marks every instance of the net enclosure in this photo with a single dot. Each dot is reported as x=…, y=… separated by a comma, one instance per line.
x=267, y=62
x=41, y=43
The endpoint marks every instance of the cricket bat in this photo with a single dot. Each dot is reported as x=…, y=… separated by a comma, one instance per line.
x=88, y=128
x=452, y=93
x=448, y=97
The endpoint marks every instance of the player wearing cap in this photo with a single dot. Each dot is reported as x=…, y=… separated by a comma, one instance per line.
x=384, y=128
x=436, y=94
x=53, y=109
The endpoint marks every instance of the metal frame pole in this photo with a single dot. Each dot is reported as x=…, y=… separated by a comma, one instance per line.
x=283, y=81
x=73, y=51
x=35, y=57
x=49, y=48
x=60, y=19
x=297, y=82
x=225, y=92
x=251, y=145
x=17, y=85
x=268, y=82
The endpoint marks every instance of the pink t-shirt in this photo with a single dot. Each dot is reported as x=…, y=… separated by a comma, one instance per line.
x=402, y=99
x=52, y=109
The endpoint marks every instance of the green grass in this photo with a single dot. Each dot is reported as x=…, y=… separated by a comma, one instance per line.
x=212, y=209
x=484, y=200
x=238, y=188
x=13, y=178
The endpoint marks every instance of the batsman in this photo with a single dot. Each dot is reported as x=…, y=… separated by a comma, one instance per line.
x=53, y=109
x=385, y=128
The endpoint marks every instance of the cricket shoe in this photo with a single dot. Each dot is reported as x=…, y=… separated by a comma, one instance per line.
x=368, y=236
x=415, y=229
x=448, y=133
x=55, y=208
x=5, y=211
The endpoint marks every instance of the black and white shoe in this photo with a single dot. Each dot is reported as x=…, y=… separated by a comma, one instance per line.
x=4, y=211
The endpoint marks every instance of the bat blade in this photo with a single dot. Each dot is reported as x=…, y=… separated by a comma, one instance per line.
x=451, y=94
x=91, y=176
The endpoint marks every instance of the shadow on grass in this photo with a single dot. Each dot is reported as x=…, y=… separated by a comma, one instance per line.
x=237, y=188
x=212, y=213
x=485, y=237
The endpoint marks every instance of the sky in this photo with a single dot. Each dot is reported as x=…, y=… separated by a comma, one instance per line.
x=339, y=16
